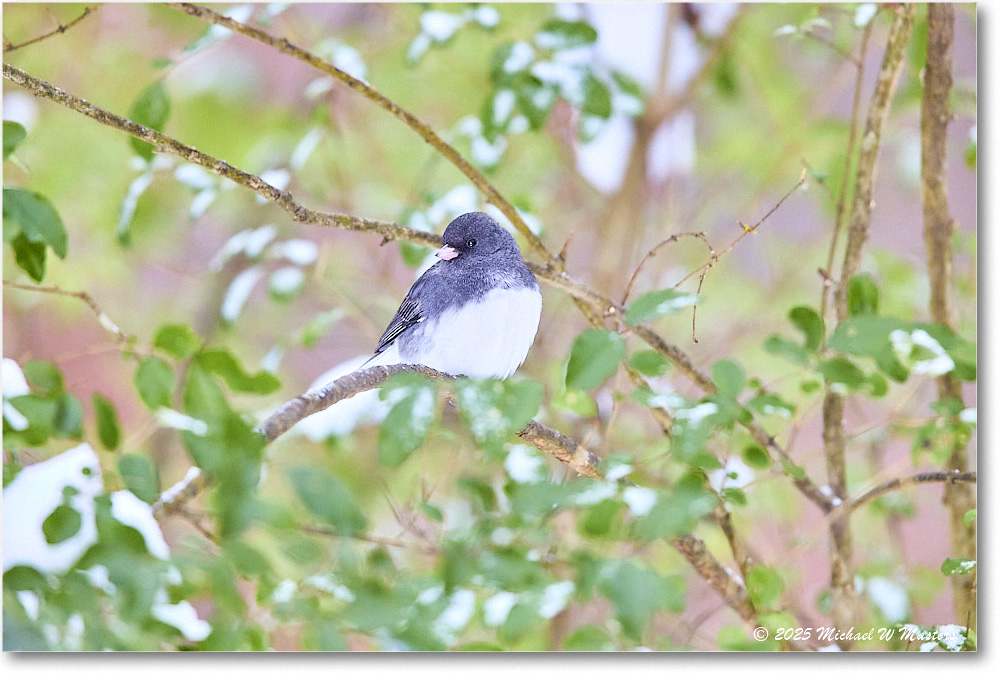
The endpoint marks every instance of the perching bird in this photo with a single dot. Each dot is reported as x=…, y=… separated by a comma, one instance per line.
x=474, y=312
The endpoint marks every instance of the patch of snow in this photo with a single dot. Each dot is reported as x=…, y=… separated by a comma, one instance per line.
x=343, y=417
x=439, y=26
x=34, y=494
x=890, y=598
x=129, y=510
x=455, y=616
x=182, y=617
x=554, y=598
x=640, y=500
x=299, y=251
x=286, y=280
x=239, y=292
x=177, y=420
x=520, y=57
x=497, y=608
x=524, y=464
x=735, y=474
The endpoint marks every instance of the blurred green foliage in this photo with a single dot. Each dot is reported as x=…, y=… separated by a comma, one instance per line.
x=437, y=530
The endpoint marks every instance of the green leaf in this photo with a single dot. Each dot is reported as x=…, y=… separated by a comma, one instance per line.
x=534, y=100
x=862, y=295
x=24, y=578
x=631, y=89
x=406, y=426
x=952, y=566
x=151, y=109
x=43, y=375
x=649, y=362
x=575, y=401
x=842, y=370
x=13, y=135
x=61, y=524
x=154, y=380
x=756, y=457
x=658, y=303
x=728, y=377
x=970, y=154
x=868, y=335
x=878, y=386
x=140, y=476
x=108, y=429
x=677, y=511
x=764, y=586
x=596, y=98
x=969, y=516
x=496, y=409
x=637, y=593
x=559, y=34
x=787, y=349
x=771, y=404
x=810, y=324
x=328, y=499
x=69, y=416
x=224, y=364
x=588, y=638
x=594, y=358
x=319, y=326
x=725, y=76
x=179, y=340
x=29, y=255
x=37, y=219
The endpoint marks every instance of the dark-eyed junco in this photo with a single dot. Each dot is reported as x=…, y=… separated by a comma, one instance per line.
x=474, y=312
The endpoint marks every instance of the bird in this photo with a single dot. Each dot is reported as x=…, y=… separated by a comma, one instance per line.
x=475, y=312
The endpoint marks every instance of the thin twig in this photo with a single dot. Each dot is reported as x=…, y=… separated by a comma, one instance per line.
x=58, y=30
x=102, y=318
x=328, y=531
x=715, y=257
x=838, y=225
x=947, y=477
x=744, y=231
x=653, y=251
x=843, y=53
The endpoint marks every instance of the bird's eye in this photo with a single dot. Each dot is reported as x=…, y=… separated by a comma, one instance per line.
x=471, y=243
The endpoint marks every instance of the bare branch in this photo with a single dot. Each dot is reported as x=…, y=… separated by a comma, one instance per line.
x=58, y=30
x=947, y=477
x=849, y=155
x=102, y=318
x=864, y=183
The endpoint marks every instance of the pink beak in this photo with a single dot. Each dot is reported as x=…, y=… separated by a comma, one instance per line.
x=447, y=253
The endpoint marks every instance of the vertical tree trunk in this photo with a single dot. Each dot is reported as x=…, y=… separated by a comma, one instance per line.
x=846, y=606
x=938, y=229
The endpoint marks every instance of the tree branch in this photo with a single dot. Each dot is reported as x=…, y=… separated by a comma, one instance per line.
x=947, y=477
x=939, y=227
x=58, y=30
x=164, y=143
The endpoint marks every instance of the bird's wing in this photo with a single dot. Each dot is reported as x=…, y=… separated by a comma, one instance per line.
x=408, y=315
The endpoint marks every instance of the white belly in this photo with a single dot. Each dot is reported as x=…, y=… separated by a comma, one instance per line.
x=489, y=338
